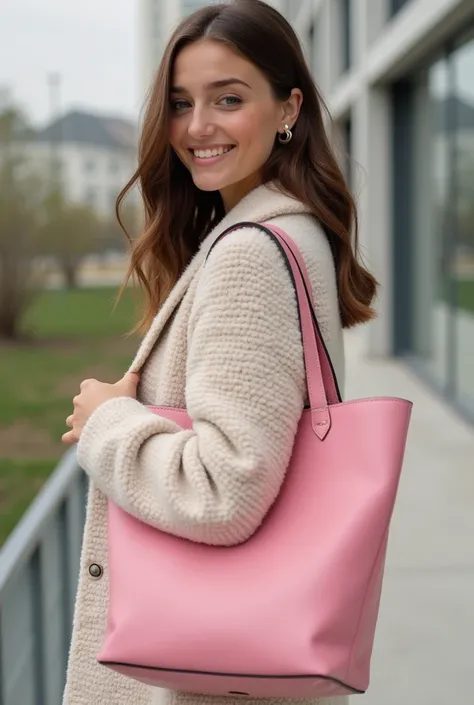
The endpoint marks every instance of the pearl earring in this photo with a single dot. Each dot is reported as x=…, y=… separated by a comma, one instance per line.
x=286, y=137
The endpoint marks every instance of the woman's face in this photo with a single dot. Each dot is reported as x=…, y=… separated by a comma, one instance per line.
x=224, y=118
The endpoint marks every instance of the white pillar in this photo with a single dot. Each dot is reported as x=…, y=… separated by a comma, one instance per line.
x=372, y=150
x=376, y=15
x=325, y=49
x=172, y=13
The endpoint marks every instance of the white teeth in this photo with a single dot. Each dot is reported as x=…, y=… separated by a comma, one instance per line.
x=208, y=153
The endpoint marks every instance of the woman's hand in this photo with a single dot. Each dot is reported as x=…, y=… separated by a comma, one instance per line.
x=92, y=395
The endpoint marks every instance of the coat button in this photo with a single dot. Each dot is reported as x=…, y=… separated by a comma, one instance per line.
x=95, y=571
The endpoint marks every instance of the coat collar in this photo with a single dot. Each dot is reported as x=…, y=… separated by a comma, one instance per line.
x=260, y=205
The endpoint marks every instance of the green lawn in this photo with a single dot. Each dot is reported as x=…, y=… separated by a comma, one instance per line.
x=459, y=293
x=465, y=294
x=76, y=335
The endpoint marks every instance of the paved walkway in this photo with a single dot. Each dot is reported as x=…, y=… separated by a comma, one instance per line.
x=424, y=651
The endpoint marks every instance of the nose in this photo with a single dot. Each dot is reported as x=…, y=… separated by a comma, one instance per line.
x=200, y=125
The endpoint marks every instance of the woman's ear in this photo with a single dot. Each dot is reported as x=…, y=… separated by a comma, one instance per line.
x=292, y=107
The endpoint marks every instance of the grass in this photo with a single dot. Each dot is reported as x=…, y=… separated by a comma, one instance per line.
x=465, y=294
x=76, y=335
x=20, y=480
x=458, y=293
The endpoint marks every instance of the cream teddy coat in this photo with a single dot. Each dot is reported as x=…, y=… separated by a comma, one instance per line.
x=226, y=345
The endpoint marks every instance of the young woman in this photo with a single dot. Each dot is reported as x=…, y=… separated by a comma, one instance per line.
x=233, y=132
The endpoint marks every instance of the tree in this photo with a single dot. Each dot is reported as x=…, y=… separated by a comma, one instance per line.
x=69, y=233
x=19, y=195
x=114, y=237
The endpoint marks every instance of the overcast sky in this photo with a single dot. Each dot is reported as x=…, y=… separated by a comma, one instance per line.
x=91, y=43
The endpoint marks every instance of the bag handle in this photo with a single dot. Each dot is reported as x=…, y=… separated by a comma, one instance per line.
x=327, y=370
x=321, y=379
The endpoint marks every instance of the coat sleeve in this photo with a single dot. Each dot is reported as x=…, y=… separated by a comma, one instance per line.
x=245, y=391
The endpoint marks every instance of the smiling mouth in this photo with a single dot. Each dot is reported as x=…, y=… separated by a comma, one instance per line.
x=211, y=153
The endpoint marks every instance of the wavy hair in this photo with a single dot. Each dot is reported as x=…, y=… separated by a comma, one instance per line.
x=177, y=215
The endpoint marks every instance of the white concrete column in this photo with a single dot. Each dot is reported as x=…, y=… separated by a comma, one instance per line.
x=280, y=5
x=172, y=13
x=146, y=45
x=376, y=15
x=322, y=65
x=372, y=186
x=333, y=40
x=358, y=33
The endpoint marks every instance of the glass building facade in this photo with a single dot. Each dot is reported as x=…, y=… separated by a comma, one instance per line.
x=434, y=183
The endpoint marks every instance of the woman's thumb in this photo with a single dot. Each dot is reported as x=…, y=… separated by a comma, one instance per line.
x=130, y=380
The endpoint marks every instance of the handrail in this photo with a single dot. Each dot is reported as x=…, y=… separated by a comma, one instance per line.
x=39, y=566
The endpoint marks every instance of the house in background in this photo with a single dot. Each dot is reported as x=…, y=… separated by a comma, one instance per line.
x=90, y=156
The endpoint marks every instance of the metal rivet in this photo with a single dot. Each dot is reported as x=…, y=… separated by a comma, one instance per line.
x=95, y=571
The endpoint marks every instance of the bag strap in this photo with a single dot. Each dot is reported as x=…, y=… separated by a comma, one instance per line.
x=328, y=374
x=321, y=379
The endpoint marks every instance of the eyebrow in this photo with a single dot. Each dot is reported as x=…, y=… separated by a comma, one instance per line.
x=215, y=84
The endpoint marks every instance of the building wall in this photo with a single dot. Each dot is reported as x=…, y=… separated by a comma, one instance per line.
x=88, y=174
x=378, y=64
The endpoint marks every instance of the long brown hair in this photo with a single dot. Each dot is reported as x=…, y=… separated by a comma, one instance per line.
x=178, y=215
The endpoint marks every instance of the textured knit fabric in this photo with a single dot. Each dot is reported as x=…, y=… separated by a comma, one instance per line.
x=226, y=345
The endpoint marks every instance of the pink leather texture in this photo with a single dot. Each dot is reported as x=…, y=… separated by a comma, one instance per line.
x=291, y=612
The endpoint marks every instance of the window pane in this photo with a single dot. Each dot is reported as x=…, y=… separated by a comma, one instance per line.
x=396, y=5
x=463, y=259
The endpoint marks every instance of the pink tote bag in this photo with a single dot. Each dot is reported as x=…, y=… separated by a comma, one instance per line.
x=292, y=611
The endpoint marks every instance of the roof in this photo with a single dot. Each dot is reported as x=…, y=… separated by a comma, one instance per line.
x=90, y=129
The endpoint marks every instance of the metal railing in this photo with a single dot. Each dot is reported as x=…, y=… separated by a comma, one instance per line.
x=39, y=567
